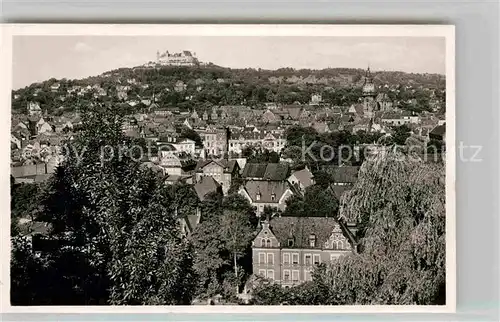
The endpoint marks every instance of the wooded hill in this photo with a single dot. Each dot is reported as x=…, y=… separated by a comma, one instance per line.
x=214, y=85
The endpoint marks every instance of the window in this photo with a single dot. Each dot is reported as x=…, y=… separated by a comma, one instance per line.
x=262, y=272
x=262, y=258
x=307, y=259
x=270, y=274
x=268, y=243
x=286, y=275
x=295, y=259
x=290, y=242
x=263, y=242
x=341, y=244
x=317, y=259
x=270, y=258
x=286, y=258
x=295, y=276
x=273, y=197
x=258, y=196
x=307, y=275
x=312, y=240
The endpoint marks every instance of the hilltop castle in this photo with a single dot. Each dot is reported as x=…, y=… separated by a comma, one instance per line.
x=184, y=58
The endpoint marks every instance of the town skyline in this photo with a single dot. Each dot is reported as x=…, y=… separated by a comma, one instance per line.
x=99, y=54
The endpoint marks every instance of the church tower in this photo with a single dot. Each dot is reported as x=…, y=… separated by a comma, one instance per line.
x=368, y=95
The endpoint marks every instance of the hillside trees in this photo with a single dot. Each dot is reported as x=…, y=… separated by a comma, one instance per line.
x=249, y=86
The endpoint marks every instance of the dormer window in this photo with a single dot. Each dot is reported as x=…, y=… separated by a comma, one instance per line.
x=258, y=196
x=273, y=197
x=290, y=242
x=312, y=240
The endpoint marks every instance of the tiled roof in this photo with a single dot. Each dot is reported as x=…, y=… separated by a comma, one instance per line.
x=254, y=170
x=304, y=176
x=228, y=165
x=300, y=229
x=205, y=186
x=439, y=130
x=293, y=111
x=266, y=171
x=266, y=189
x=359, y=109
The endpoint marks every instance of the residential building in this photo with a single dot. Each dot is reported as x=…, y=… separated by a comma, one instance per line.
x=394, y=118
x=180, y=86
x=266, y=172
x=34, y=109
x=266, y=193
x=215, y=140
x=301, y=179
x=287, y=249
x=222, y=171
x=185, y=145
x=316, y=99
x=170, y=163
x=269, y=141
x=205, y=186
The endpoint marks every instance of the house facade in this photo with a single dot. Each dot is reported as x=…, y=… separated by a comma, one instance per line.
x=264, y=193
x=287, y=249
x=186, y=146
x=215, y=141
x=222, y=171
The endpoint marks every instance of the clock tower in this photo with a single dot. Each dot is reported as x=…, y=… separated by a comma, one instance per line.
x=368, y=95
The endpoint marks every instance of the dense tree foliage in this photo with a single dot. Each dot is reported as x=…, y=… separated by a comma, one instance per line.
x=255, y=155
x=401, y=134
x=316, y=202
x=222, y=242
x=187, y=133
x=114, y=225
x=306, y=147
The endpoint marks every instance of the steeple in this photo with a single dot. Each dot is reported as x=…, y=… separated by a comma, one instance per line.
x=368, y=86
x=368, y=95
x=368, y=75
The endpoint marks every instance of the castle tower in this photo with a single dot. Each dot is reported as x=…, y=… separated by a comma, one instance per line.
x=368, y=95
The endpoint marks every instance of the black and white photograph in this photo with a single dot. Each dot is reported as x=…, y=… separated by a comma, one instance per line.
x=245, y=165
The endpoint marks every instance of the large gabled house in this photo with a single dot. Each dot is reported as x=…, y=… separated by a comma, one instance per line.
x=286, y=249
x=264, y=193
x=266, y=185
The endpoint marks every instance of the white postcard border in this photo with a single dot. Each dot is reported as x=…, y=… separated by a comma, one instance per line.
x=447, y=31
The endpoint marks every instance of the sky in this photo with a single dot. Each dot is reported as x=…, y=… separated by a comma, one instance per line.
x=38, y=58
